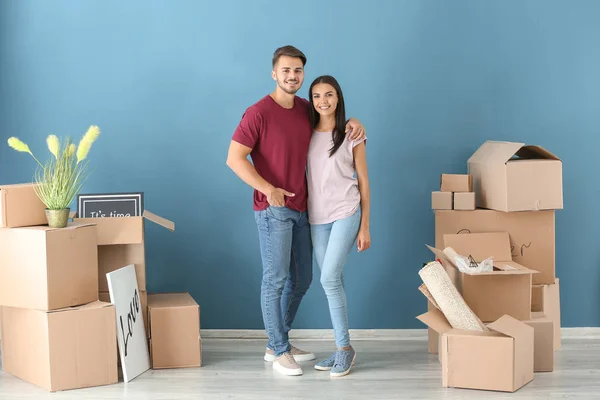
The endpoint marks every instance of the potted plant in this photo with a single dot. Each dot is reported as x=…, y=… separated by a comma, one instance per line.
x=61, y=178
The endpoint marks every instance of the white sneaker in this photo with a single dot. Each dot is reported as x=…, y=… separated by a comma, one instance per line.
x=286, y=365
x=299, y=355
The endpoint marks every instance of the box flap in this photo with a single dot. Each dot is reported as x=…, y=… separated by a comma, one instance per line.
x=165, y=223
x=532, y=152
x=510, y=326
x=495, y=152
x=436, y=320
x=481, y=245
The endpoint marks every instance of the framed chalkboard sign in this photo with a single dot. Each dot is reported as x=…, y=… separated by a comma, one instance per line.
x=102, y=205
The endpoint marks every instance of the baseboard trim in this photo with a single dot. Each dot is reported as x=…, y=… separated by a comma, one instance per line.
x=366, y=334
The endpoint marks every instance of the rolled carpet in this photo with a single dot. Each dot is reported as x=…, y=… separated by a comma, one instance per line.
x=448, y=299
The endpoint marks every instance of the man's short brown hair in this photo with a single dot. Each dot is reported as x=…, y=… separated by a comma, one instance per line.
x=289, y=51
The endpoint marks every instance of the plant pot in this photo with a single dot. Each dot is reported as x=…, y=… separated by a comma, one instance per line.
x=58, y=218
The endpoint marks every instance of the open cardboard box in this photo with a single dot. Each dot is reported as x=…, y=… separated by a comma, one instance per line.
x=121, y=243
x=506, y=290
x=510, y=176
x=501, y=359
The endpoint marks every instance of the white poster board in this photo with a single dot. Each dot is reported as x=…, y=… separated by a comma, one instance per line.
x=131, y=335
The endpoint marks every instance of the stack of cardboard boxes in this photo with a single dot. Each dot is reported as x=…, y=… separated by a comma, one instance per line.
x=55, y=332
x=517, y=189
x=57, y=324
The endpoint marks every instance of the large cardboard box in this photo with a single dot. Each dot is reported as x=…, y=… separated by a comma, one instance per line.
x=505, y=290
x=501, y=359
x=546, y=299
x=46, y=269
x=63, y=349
x=20, y=206
x=543, y=328
x=509, y=176
x=121, y=243
x=532, y=237
x=174, y=320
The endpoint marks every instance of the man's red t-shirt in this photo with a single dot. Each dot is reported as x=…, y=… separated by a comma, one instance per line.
x=279, y=139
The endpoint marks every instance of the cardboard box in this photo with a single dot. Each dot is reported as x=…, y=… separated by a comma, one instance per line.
x=63, y=349
x=121, y=243
x=441, y=200
x=174, y=320
x=105, y=297
x=509, y=176
x=543, y=343
x=456, y=183
x=501, y=359
x=20, y=206
x=546, y=299
x=47, y=269
x=532, y=236
x=464, y=201
x=506, y=290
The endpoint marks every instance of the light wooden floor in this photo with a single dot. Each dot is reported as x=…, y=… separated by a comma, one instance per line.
x=398, y=369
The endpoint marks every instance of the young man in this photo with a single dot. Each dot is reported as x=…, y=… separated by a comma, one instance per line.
x=276, y=132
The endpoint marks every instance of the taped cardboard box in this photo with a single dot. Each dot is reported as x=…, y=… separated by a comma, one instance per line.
x=510, y=176
x=505, y=290
x=20, y=206
x=64, y=349
x=121, y=243
x=174, y=320
x=532, y=235
x=546, y=299
x=46, y=269
x=500, y=359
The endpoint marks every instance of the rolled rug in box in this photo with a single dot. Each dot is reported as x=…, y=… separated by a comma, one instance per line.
x=450, y=302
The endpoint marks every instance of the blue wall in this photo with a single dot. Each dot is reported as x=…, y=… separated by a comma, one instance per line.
x=167, y=83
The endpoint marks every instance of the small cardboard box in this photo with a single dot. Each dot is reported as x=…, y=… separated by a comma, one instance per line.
x=501, y=359
x=456, y=183
x=20, y=206
x=441, y=200
x=543, y=342
x=546, y=299
x=47, y=269
x=532, y=235
x=121, y=243
x=174, y=320
x=509, y=176
x=505, y=290
x=464, y=201
x=64, y=349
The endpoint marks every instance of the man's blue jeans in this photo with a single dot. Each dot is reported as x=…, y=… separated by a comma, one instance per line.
x=286, y=252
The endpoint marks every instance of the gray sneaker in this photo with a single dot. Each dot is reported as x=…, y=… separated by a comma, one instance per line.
x=344, y=359
x=327, y=364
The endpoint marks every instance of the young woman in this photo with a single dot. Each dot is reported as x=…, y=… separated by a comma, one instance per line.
x=338, y=207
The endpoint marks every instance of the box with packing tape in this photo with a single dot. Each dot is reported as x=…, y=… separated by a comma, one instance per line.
x=498, y=356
